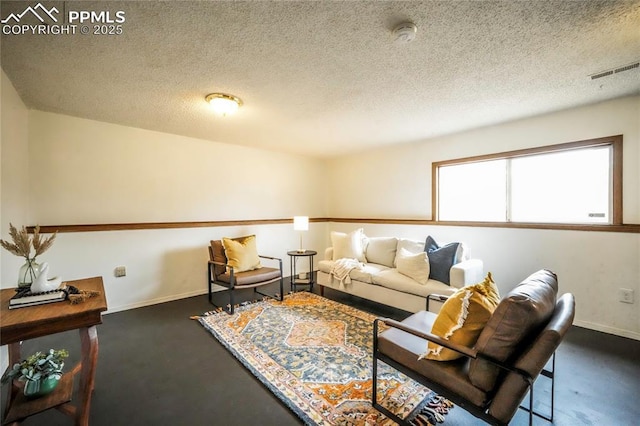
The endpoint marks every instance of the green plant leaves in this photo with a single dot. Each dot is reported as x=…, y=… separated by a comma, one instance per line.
x=37, y=366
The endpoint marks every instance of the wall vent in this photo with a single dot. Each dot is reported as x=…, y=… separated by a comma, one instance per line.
x=615, y=71
x=627, y=67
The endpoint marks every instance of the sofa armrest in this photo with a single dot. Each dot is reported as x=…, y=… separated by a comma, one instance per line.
x=328, y=253
x=467, y=272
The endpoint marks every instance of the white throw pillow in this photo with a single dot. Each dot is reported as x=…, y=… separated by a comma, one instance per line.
x=414, y=266
x=348, y=246
x=412, y=246
x=381, y=250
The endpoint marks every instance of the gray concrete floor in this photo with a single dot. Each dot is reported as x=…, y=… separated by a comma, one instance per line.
x=157, y=367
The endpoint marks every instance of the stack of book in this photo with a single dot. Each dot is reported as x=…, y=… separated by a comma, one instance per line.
x=24, y=298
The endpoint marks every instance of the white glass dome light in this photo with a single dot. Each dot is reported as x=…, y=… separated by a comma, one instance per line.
x=223, y=104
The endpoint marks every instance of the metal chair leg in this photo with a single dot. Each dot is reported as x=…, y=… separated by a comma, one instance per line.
x=550, y=374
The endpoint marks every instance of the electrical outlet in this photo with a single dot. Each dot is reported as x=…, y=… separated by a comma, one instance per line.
x=120, y=271
x=625, y=295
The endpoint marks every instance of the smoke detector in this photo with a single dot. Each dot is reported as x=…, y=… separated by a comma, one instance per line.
x=405, y=32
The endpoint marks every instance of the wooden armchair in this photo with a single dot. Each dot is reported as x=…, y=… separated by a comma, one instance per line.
x=492, y=378
x=221, y=273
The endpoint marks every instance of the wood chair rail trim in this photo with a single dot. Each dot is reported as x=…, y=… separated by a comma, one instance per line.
x=46, y=229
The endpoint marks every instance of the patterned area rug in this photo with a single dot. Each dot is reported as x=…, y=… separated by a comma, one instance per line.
x=315, y=355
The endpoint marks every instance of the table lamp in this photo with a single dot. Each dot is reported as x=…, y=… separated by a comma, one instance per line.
x=301, y=223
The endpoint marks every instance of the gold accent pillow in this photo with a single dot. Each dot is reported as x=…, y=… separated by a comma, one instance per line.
x=462, y=318
x=242, y=253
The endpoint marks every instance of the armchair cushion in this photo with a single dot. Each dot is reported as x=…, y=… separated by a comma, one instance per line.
x=406, y=348
x=522, y=312
x=462, y=318
x=217, y=255
x=251, y=277
x=241, y=253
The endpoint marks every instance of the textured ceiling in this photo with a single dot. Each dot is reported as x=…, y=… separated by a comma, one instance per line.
x=325, y=78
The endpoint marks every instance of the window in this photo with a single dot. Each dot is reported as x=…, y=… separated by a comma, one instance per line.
x=573, y=183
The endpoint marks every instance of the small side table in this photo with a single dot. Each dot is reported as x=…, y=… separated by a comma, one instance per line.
x=42, y=320
x=295, y=280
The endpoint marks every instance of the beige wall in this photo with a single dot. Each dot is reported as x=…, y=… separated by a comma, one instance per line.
x=58, y=169
x=83, y=172
x=14, y=178
x=395, y=182
x=14, y=173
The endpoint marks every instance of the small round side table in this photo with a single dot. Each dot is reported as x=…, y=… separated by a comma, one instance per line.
x=295, y=280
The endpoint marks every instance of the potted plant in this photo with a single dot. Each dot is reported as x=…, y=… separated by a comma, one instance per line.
x=40, y=372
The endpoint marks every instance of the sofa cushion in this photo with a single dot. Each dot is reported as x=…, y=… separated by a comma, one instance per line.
x=524, y=310
x=411, y=246
x=365, y=274
x=348, y=246
x=394, y=280
x=441, y=259
x=415, y=266
x=462, y=318
x=381, y=250
x=241, y=253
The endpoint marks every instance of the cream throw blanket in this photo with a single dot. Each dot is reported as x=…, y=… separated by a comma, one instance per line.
x=342, y=267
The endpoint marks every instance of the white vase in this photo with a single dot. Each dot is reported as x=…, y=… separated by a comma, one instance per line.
x=28, y=273
x=43, y=282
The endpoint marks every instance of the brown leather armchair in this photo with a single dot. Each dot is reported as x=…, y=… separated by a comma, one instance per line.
x=492, y=378
x=220, y=273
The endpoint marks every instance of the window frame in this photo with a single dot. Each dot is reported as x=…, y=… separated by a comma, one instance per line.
x=615, y=142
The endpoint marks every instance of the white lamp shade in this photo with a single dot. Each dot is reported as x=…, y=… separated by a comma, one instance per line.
x=301, y=223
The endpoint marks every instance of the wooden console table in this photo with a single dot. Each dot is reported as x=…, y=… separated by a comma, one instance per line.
x=21, y=324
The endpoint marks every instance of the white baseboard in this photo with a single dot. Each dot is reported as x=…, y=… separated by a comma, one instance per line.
x=155, y=301
x=607, y=329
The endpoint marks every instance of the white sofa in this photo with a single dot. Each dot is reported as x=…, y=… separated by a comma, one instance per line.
x=384, y=277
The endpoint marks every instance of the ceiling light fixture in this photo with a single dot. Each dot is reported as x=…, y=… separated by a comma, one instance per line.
x=223, y=104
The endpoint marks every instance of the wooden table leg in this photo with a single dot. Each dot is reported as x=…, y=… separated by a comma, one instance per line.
x=14, y=356
x=89, y=344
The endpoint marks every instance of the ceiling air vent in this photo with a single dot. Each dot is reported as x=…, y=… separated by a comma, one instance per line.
x=615, y=70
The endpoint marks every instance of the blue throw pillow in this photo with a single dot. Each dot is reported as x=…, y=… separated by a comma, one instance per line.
x=441, y=259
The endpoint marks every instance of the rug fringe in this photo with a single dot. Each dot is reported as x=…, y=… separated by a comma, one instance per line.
x=217, y=310
x=432, y=412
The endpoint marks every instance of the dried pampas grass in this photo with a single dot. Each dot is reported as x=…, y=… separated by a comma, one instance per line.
x=21, y=245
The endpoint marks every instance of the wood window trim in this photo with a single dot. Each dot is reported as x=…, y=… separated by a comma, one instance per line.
x=614, y=141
